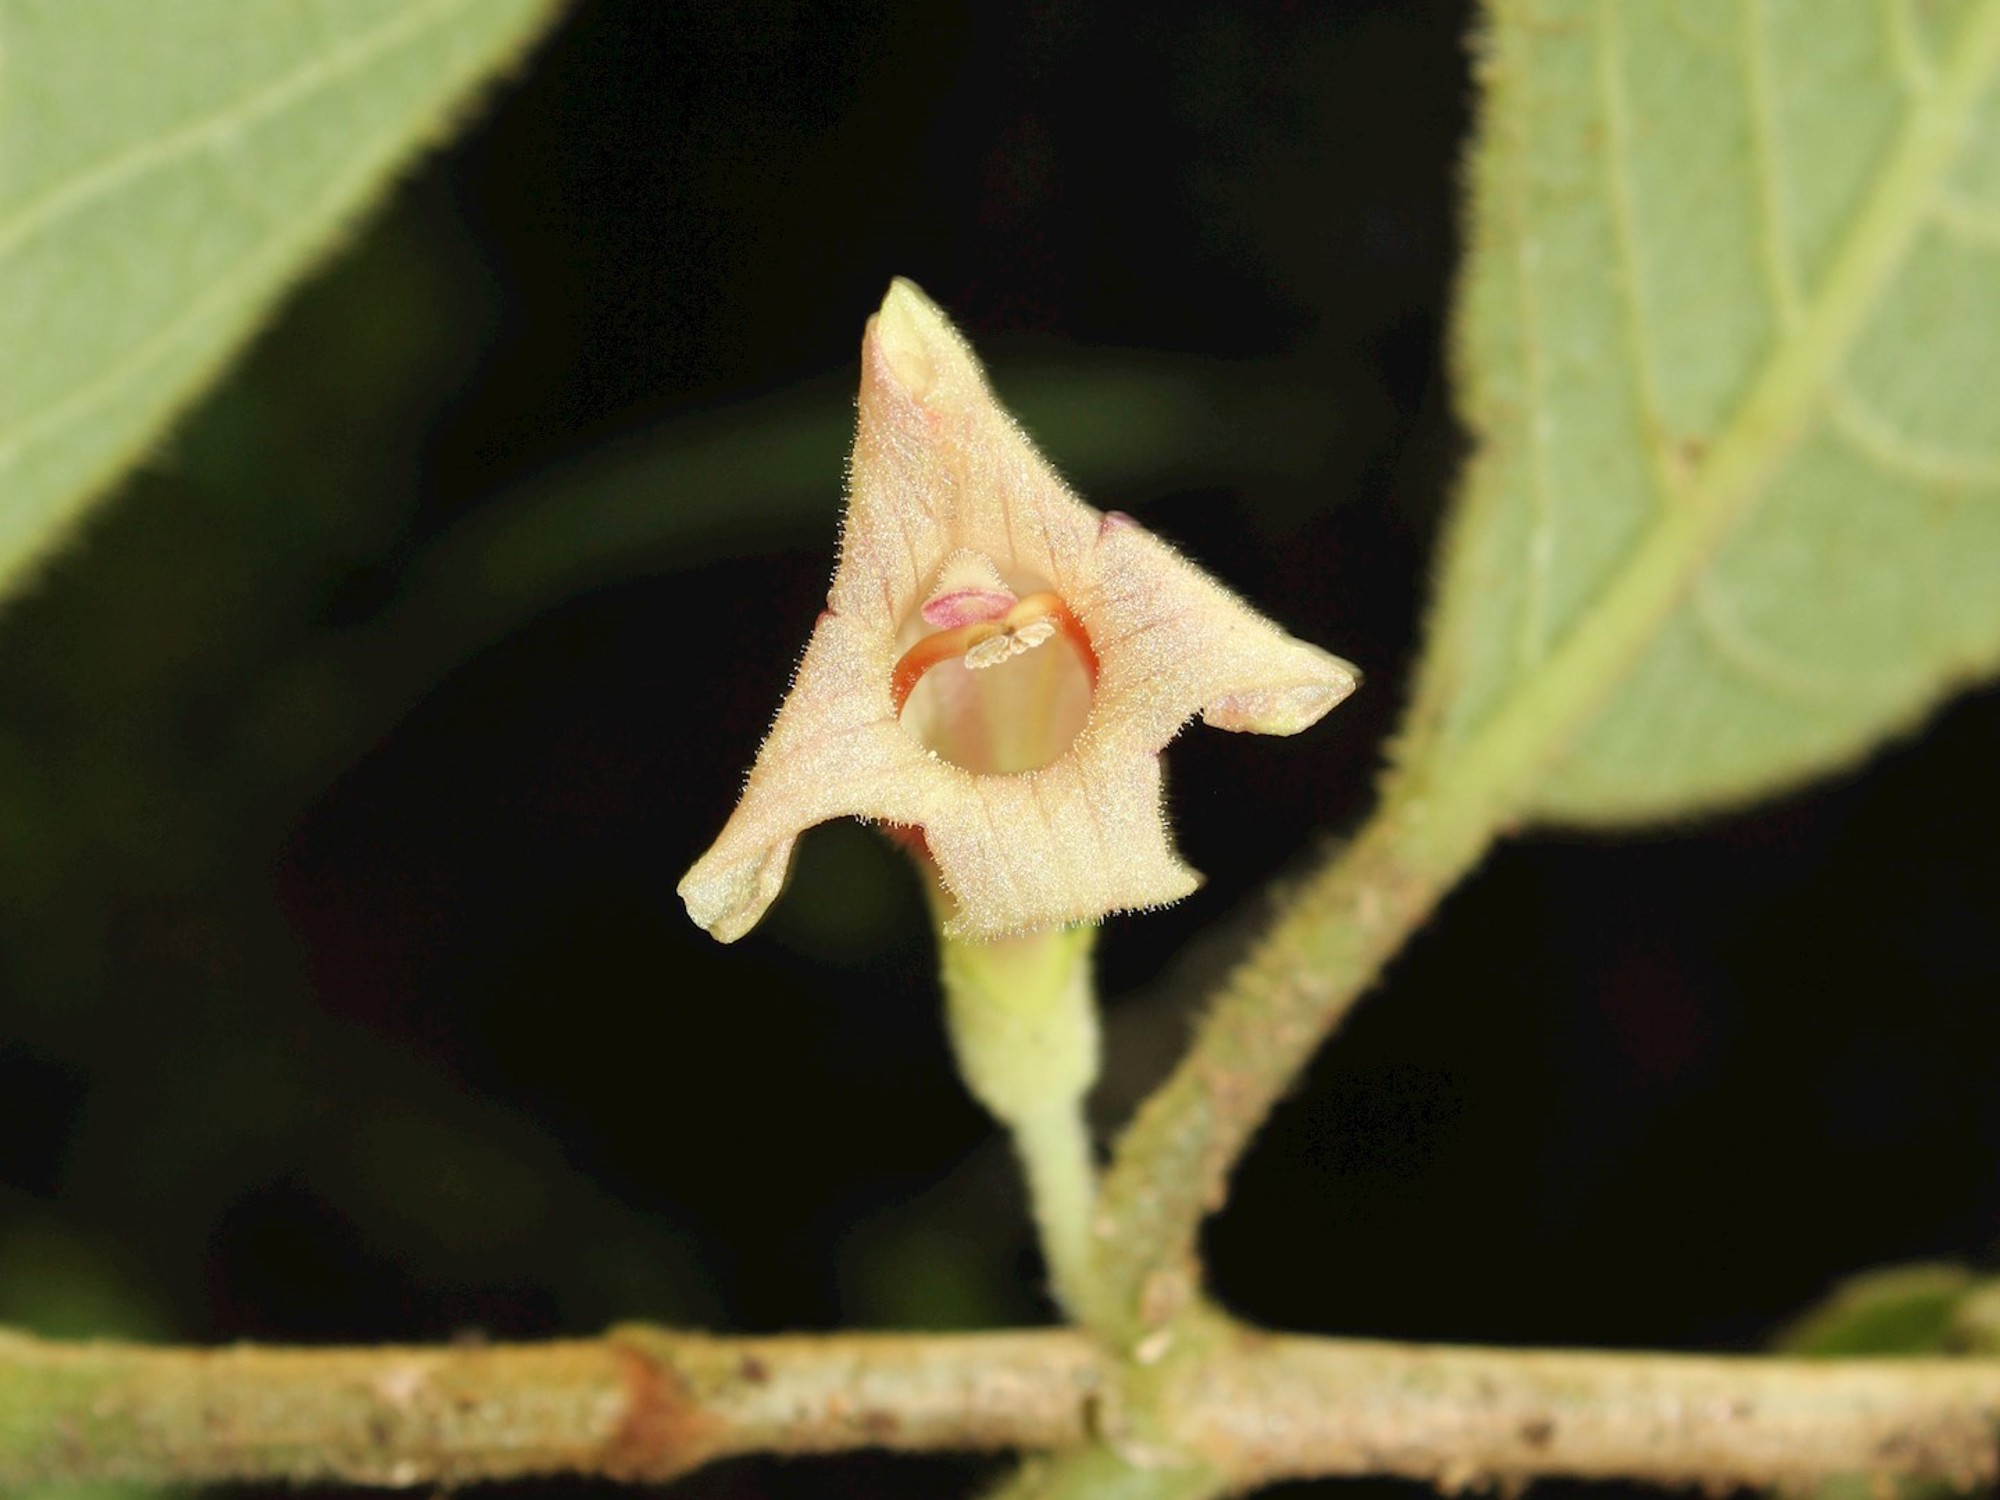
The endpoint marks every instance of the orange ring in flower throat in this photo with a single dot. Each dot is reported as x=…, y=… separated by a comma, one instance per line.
x=950, y=645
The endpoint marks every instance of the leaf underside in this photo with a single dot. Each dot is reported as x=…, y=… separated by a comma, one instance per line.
x=165, y=171
x=1734, y=273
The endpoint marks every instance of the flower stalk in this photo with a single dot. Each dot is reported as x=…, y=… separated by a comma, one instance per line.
x=1022, y=1017
x=995, y=676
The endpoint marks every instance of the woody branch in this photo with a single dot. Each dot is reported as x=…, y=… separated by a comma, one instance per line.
x=648, y=1404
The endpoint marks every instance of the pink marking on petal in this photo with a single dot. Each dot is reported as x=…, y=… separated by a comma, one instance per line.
x=966, y=607
x=1114, y=520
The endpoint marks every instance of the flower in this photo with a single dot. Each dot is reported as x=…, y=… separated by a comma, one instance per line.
x=998, y=668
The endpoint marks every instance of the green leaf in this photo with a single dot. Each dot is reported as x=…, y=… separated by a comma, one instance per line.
x=1906, y=1309
x=165, y=171
x=1729, y=341
x=1924, y=1308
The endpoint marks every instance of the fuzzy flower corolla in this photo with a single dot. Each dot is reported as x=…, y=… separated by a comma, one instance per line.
x=998, y=668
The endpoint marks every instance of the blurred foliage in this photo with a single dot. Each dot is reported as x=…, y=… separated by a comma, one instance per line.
x=1889, y=1310
x=1928, y=1308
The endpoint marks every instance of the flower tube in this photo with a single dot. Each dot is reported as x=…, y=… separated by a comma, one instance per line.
x=998, y=669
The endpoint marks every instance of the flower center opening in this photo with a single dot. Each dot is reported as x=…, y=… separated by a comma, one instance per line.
x=1004, y=685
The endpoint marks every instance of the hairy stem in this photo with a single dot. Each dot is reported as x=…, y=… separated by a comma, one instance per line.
x=1452, y=799
x=1021, y=1013
x=1054, y=1147
x=1173, y=1163
x=1243, y=1408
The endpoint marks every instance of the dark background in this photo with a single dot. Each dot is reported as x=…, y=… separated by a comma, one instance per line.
x=351, y=760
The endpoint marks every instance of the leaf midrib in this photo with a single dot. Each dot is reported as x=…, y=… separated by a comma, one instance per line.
x=1482, y=781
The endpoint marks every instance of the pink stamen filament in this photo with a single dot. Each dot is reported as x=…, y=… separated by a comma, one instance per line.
x=966, y=607
x=950, y=645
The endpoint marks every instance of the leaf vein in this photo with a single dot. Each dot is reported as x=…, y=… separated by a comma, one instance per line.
x=1966, y=221
x=1767, y=156
x=1739, y=649
x=1636, y=315
x=62, y=201
x=1877, y=439
x=1907, y=52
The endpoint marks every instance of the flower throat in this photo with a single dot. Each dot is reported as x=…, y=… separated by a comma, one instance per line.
x=1002, y=681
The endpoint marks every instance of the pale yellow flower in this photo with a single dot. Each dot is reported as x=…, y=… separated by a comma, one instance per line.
x=998, y=668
